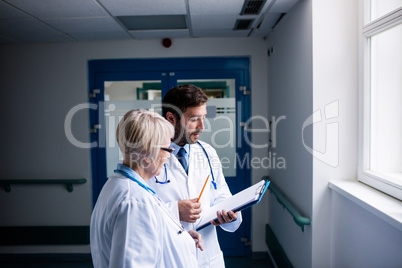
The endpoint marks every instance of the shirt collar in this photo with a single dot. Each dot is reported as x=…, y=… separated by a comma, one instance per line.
x=177, y=147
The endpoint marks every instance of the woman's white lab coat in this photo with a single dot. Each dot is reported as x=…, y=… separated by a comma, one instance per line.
x=183, y=186
x=129, y=229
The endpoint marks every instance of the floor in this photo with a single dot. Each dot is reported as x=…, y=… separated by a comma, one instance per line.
x=257, y=261
x=84, y=261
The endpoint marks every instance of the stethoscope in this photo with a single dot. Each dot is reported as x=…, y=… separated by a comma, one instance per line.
x=157, y=198
x=210, y=166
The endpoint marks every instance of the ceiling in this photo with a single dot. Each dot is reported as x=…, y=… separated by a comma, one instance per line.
x=49, y=21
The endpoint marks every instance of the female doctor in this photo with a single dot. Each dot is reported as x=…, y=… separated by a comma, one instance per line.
x=130, y=225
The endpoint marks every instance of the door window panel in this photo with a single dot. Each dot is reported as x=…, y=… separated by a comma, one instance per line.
x=121, y=97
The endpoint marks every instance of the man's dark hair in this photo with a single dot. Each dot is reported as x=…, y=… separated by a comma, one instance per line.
x=181, y=97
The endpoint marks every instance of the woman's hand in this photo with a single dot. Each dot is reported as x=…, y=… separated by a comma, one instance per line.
x=197, y=238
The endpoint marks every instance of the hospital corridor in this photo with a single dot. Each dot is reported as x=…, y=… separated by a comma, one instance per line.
x=124, y=122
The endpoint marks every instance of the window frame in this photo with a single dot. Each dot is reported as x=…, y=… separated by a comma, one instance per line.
x=368, y=29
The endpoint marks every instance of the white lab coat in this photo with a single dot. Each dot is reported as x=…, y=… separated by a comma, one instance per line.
x=129, y=229
x=183, y=186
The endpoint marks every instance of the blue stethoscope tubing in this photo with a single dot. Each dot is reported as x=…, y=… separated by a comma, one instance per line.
x=160, y=202
x=134, y=179
x=166, y=180
x=210, y=166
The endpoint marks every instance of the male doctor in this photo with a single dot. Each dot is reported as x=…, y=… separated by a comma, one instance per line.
x=181, y=182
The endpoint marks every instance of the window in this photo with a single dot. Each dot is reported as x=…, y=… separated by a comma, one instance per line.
x=381, y=130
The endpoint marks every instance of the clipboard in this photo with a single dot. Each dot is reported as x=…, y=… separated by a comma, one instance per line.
x=242, y=200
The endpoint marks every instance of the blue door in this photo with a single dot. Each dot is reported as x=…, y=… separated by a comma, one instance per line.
x=121, y=85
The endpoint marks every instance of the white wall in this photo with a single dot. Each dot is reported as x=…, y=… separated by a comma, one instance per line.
x=357, y=238
x=360, y=239
x=290, y=94
x=41, y=83
x=342, y=234
x=335, y=74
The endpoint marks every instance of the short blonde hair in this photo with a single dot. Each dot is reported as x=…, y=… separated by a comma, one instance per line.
x=141, y=133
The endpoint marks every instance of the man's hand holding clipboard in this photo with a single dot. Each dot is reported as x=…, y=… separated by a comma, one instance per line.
x=237, y=202
x=222, y=217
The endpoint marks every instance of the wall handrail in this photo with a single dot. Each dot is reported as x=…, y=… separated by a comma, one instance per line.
x=68, y=182
x=286, y=203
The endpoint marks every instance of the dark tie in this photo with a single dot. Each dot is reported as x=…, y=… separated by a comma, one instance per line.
x=182, y=156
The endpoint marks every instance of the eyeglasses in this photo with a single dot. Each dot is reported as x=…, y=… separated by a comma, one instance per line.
x=169, y=150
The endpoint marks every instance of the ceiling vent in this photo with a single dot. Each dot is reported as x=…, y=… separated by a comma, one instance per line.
x=252, y=7
x=243, y=24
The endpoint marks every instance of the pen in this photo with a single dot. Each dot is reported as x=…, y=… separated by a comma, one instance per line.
x=198, y=200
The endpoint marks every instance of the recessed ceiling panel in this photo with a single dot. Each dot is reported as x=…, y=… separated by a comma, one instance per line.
x=160, y=34
x=156, y=22
x=211, y=7
x=144, y=7
x=46, y=9
x=213, y=21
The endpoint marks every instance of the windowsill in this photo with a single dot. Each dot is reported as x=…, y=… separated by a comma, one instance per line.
x=383, y=206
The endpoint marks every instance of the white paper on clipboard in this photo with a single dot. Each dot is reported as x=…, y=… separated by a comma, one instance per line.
x=237, y=202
